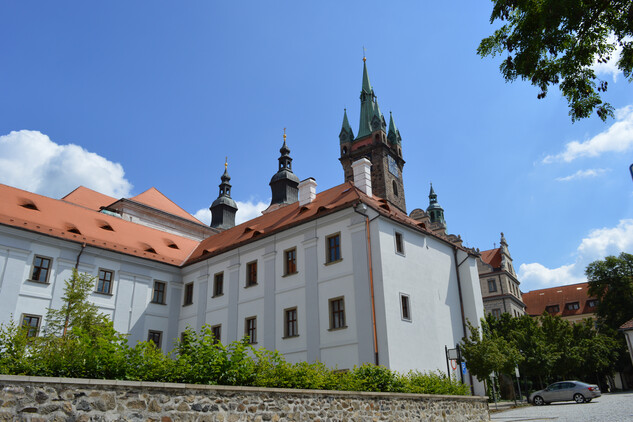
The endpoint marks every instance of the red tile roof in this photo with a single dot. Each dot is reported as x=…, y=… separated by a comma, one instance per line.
x=627, y=326
x=537, y=301
x=492, y=257
x=76, y=223
x=88, y=198
x=155, y=199
x=326, y=202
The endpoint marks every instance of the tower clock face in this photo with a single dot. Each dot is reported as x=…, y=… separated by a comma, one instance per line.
x=393, y=166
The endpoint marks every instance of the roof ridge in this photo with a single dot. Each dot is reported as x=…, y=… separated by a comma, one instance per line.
x=164, y=196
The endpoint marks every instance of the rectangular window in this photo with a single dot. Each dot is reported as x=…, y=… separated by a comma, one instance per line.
x=399, y=243
x=104, y=285
x=290, y=261
x=155, y=337
x=290, y=323
x=251, y=274
x=492, y=285
x=216, y=330
x=552, y=309
x=218, y=284
x=159, y=292
x=405, y=307
x=250, y=329
x=333, y=248
x=32, y=324
x=188, y=299
x=592, y=303
x=496, y=313
x=573, y=306
x=337, y=313
x=41, y=267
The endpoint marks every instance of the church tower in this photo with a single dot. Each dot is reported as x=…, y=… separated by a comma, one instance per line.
x=382, y=148
x=224, y=208
x=284, y=184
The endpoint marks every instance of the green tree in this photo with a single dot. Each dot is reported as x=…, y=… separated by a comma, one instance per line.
x=486, y=351
x=557, y=42
x=611, y=281
x=76, y=309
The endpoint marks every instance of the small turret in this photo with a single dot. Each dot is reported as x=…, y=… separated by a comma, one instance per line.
x=435, y=210
x=224, y=208
x=284, y=184
x=346, y=135
x=394, y=134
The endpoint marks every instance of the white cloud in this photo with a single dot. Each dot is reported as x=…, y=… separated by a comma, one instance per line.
x=617, y=138
x=598, y=244
x=245, y=211
x=203, y=215
x=582, y=174
x=30, y=160
x=249, y=210
x=611, y=66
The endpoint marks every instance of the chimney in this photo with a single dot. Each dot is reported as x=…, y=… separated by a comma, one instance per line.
x=362, y=175
x=307, y=191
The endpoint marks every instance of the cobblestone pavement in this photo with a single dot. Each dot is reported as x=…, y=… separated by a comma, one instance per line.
x=615, y=407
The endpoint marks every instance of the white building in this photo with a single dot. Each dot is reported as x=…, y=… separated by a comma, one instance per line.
x=343, y=277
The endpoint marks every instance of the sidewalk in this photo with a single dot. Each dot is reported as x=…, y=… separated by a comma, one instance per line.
x=505, y=405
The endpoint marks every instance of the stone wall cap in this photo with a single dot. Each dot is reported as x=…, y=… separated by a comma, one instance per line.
x=230, y=388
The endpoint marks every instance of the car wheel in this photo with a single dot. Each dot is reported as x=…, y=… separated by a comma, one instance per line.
x=538, y=401
x=579, y=398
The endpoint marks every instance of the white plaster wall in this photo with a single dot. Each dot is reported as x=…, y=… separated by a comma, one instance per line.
x=427, y=274
x=333, y=280
x=128, y=305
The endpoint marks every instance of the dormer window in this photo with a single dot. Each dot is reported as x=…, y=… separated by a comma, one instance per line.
x=29, y=205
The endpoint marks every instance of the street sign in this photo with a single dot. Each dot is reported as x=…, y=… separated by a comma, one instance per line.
x=516, y=371
x=453, y=354
x=464, y=368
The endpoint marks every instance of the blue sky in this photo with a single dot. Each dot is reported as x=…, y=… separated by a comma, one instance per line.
x=123, y=96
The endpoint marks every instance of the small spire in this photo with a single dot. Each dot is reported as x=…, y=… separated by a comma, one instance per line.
x=394, y=133
x=284, y=150
x=224, y=207
x=435, y=210
x=225, y=176
x=346, y=134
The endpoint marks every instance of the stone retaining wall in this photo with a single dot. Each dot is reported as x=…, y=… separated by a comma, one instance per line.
x=40, y=399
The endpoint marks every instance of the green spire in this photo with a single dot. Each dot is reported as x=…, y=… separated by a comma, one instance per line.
x=394, y=134
x=366, y=84
x=346, y=134
x=371, y=118
x=435, y=210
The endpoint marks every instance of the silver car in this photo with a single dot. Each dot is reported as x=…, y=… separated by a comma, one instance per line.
x=577, y=391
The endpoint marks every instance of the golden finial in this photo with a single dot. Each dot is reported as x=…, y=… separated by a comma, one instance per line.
x=284, y=134
x=364, y=58
x=226, y=163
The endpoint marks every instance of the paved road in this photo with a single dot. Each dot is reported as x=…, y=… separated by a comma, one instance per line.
x=616, y=407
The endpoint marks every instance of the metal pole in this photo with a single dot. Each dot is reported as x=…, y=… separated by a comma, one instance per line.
x=448, y=369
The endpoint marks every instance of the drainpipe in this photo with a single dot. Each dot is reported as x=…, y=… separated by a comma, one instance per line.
x=83, y=246
x=371, y=278
x=461, y=306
